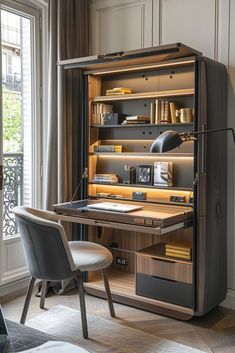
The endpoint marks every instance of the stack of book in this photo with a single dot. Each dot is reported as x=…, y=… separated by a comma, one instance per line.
x=98, y=110
x=118, y=90
x=108, y=148
x=179, y=249
x=137, y=119
x=105, y=178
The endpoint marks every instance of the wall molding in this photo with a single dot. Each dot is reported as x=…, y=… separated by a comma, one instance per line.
x=145, y=23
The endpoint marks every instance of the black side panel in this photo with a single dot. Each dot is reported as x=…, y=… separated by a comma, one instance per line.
x=213, y=243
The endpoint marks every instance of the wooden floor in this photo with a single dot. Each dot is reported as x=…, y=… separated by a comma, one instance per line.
x=214, y=332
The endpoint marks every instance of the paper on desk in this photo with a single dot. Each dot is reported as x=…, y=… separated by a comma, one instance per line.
x=56, y=347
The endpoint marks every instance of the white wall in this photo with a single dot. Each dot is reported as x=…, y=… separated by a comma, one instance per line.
x=206, y=25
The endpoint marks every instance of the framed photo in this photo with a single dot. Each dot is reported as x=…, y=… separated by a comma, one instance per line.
x=144, y=174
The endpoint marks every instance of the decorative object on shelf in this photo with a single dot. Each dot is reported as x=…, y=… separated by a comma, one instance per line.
x=179, y=249
x=163, y=173
x=108, y=148
x=169, y=140
x=129, y=174
x=144, y=174
x=105, y=178
x=113, y=118
x=139, y=195
x=185, y=115
x=118, y=90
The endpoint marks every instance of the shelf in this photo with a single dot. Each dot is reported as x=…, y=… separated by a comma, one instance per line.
x=122, y=250
x=144, y=186
x=157, y=251
x=141, y=154
x=145, y=201
x=140, y=125
x=144, y=95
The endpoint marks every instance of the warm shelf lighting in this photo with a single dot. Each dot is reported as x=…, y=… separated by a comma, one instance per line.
x=145, y=67
x=190, y=158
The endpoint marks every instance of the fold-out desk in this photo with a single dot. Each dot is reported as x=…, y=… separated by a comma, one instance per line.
x=152, y=218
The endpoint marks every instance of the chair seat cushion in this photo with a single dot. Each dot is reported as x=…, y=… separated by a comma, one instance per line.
x=89, y=256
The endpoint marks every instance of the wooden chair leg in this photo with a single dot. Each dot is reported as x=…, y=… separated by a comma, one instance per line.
x=108, y=293
x=82, y=305
x=27, y=300
x=43, y=294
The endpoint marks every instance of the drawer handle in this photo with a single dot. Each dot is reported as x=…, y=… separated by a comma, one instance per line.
x=163, y=260
x=164, y=279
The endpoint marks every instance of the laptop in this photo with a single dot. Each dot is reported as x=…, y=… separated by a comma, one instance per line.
x=4, y=338
x=116, y=207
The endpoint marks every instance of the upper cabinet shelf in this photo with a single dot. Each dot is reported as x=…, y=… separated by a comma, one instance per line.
x=145, y=95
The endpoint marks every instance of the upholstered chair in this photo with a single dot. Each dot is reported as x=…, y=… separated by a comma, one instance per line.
x=51, y=257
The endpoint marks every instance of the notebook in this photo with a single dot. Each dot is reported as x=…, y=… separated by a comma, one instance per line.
x=117, y=207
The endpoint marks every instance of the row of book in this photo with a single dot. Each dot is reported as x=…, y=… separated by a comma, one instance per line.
x=163, y=111
x=105, y=178
x=108, y=148
x=179, y=249
x=98, y=111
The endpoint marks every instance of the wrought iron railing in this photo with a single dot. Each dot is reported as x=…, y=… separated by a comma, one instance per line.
x=12, y=190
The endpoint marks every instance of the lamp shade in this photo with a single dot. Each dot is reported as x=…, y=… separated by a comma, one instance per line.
x=167, y=141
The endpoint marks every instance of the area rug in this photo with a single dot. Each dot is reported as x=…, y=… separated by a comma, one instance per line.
x=105, y=336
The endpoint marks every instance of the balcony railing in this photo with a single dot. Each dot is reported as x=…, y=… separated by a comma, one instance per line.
x=12, y=190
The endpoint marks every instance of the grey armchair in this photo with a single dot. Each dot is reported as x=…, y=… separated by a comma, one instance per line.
x=51, y=257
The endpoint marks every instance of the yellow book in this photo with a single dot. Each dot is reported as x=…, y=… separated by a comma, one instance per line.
x=179, y=245
x=186, y=257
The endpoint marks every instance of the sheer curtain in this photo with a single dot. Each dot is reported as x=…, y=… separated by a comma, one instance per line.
x=67, y=38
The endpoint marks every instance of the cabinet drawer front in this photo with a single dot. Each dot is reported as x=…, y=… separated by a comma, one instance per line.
x=176, y=271
x=162, y=289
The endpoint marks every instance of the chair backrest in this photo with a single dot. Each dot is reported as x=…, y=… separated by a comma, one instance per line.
x=45, y=244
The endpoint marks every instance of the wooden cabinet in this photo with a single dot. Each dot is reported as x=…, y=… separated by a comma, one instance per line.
x=192, y=209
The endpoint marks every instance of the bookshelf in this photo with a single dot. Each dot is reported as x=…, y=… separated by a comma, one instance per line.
x=142, y=274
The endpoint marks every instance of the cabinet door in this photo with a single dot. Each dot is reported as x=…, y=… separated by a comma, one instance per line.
x=120, y=25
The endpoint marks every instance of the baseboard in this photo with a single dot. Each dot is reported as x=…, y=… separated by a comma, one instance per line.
x=229, y=301
x=13, y=290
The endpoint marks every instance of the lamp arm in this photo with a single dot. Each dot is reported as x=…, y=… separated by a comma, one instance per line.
x=189, y=135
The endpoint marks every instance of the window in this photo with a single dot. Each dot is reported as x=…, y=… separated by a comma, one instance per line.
x=20, y=149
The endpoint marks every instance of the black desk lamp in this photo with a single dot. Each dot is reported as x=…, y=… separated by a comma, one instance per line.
x=169, y=140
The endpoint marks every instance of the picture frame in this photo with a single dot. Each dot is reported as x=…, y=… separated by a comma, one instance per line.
x=144, y=174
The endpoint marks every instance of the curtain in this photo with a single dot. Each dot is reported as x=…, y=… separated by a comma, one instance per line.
x=67, y=38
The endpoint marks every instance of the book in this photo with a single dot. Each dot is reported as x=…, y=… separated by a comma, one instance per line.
x=157, y=111
x=118, y=90
x=180, y=256
x=138, y=118
x=107, y=148
x=179, y=245
x=174, y=117
x=182, y=252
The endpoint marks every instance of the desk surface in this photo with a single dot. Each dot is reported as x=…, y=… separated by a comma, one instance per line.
x=151, y=215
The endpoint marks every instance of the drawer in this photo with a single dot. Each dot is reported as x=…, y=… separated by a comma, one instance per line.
x=178, y=293
x=176, y=271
